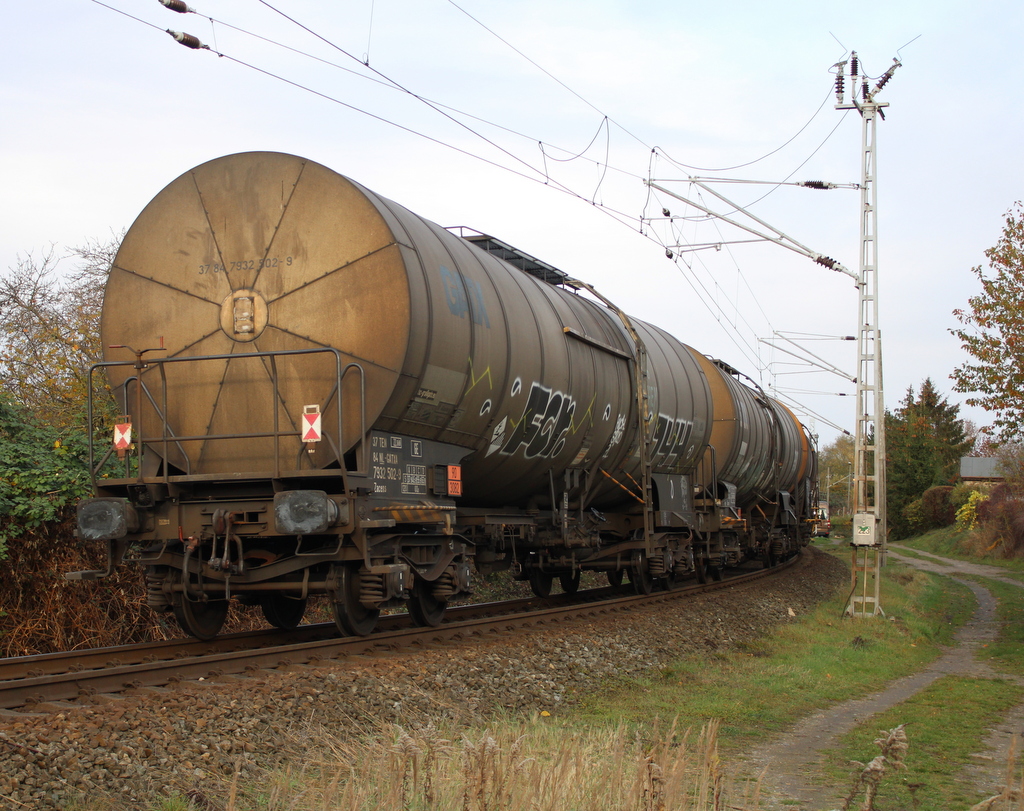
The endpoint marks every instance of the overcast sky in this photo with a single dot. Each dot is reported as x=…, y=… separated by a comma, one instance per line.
x=101, y=111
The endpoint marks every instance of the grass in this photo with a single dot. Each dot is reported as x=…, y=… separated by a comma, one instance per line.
x=762, y=688
x=1006, y=654
x=933, y=774
x=530, y=765
x=952, y=543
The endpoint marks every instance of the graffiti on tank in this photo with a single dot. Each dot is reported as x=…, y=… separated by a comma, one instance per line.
x=465, y=297
x=546, y=420
x=620, y=429
x=671, y=437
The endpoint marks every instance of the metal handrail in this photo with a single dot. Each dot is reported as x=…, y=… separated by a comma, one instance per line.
x=166, y=435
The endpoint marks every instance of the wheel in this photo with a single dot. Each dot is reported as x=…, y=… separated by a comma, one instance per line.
x=701, y=568
x=202, y=619
x=424, y=608
x=640, y=577
x=540, y=582
x=570, y=582
x=283, y=612
x=768, y=559
x=615, y=577
x=350, y=615
x=715, y=573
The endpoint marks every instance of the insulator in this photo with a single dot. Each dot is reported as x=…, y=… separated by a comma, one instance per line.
x=666, y=213
x=854, y=64
x=177, y=5
x=668, y=253
x=187, y=40
x=840, y=86
x=826, y=261
x=816, y=184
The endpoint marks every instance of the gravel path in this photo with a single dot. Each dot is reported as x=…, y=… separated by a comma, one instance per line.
x=791, y=758
x=130, y=749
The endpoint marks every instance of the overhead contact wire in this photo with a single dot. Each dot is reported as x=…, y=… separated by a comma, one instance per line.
x=536, y=174
x=681, y=165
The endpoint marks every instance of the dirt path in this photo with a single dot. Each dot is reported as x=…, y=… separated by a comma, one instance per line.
x=792, y=759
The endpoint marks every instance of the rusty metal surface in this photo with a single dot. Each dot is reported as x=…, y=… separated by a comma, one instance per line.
x=320, y=263
x=743, y=436
x=268, y=252
x=794, y=448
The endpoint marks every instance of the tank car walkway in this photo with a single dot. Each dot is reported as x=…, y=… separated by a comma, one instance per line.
x=791, y=758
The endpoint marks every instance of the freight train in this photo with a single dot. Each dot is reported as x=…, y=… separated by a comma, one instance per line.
x=322, y=393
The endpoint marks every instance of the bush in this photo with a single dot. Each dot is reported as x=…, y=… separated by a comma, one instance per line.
x=913, y=520
x=964, y=491
x=43, y=471
x=967, y=514
x=1001, y=519
x=937, y=509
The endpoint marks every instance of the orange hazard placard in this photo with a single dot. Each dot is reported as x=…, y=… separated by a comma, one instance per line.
x=455, y=480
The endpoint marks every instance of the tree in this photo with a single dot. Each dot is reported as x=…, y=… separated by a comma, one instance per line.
x=49, y=330
x=925, y=439
x=835, y=473
x=49, y=336
x=982, y=442
x=993, y=333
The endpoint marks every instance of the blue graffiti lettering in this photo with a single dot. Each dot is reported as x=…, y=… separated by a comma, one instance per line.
x=464, y=297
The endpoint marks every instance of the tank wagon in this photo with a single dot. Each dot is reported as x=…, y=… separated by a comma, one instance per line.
x=323, y=393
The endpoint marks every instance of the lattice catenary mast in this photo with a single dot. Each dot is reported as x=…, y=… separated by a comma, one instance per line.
x=869, y=527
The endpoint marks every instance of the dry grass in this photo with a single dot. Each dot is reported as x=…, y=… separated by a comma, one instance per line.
x=537, y=766
x=41, y=612
x=1011, y=798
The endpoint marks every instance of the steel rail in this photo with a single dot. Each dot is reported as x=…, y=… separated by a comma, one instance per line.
x=24, y=684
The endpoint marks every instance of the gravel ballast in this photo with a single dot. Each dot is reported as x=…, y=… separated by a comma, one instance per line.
x=154, y=742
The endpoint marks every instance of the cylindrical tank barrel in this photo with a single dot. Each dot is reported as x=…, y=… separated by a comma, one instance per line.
x=270, y=252
x=758, y=444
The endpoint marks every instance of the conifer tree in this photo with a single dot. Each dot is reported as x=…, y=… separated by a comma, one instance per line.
x=925, y=439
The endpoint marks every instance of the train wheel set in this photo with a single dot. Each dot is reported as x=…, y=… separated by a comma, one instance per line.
x=322, y=393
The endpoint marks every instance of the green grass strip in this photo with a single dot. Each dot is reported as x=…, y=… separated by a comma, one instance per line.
x=763, y=687
x=945, y=725
x=1006, y=654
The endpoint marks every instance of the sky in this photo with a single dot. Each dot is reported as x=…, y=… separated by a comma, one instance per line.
x=546, y=119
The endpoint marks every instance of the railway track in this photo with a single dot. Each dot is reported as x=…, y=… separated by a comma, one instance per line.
x=30, y=683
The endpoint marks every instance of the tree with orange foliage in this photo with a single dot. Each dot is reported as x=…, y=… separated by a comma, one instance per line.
x=49, y=330
x=993, y=333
